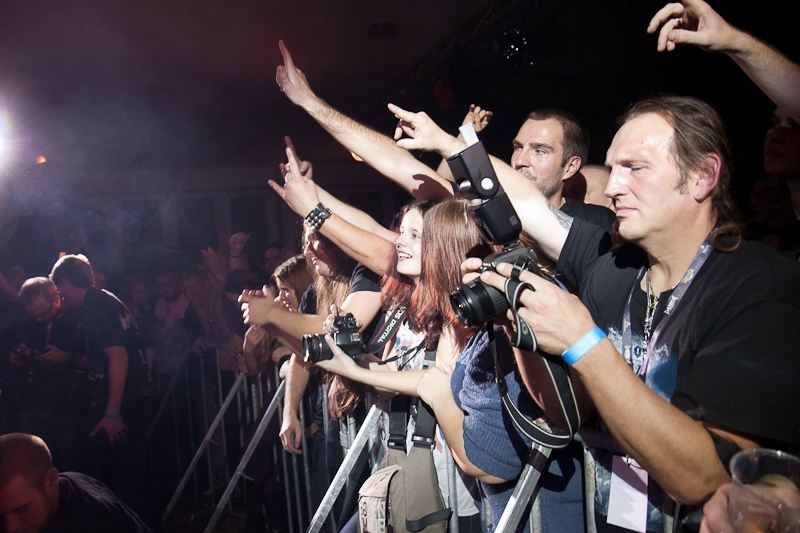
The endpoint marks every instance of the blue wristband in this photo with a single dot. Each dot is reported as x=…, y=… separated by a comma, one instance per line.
x=587, y=342
x=112, y=415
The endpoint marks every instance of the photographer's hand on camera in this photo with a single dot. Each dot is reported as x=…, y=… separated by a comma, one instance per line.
x=341, y=363
x=558, y=318
x=54, y=355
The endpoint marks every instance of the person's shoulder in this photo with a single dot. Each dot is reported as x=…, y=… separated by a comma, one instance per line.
x=596, y=214
x=759, y=262
x=364, y=279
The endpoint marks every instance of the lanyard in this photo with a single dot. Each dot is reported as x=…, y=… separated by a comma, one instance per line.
x=674, y=299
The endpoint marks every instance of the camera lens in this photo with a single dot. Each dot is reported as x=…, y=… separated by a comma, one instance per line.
x=315, y=349
x=475, y=303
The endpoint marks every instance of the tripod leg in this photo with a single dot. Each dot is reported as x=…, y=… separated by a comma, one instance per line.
x=527, y=488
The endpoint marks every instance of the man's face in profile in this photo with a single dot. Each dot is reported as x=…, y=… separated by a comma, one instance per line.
x=26, y=507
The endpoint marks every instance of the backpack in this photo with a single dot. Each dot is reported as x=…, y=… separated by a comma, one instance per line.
x=403, y=496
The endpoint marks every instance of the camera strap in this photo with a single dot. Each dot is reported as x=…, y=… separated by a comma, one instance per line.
x=557, y=371
x=559, y=376
x=388, y=329
x=524, y=337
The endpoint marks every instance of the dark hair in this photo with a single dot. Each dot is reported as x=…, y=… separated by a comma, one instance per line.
x=36, y=287
x=75, y=269
x=449, y=237
x=575, y=138
x=25, y=455
x=296, y=273
x=698, y=130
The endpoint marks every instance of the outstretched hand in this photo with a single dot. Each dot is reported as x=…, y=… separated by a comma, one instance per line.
x=292, y=81
x=478, y=117
x=692, y=22
x=256, y=307
x=299, y=190
x=422, y=133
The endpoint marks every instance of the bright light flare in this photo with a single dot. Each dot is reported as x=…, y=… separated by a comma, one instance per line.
x=6, y=130
x=41, y=160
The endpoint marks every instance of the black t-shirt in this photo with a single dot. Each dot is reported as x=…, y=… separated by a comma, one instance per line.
x=728, y=354
x=596, y=214
x=47, y=385
x=85, y=504
x=106, y=323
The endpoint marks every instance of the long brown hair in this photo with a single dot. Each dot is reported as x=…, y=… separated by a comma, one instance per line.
x=449, y=237
x=333, y=290
x=396, y=288
x=297, y=273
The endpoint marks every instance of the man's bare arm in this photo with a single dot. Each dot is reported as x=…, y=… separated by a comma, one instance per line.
x=376, y=149
x=695, y=22
x=545, y=224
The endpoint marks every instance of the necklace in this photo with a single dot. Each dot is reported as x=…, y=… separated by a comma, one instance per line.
x=650, y=314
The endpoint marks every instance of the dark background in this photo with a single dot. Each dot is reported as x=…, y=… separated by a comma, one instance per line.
x=144, y=91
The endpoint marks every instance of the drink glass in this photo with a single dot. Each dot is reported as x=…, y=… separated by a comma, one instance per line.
x=765, y=496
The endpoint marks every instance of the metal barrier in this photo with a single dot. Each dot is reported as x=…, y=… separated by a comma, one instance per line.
x=293, y=472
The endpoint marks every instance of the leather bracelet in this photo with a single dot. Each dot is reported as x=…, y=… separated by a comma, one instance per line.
x=317, y=216
x=586, y=343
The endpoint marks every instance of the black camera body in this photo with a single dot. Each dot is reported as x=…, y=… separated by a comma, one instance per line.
x=347, y=337
x=475, y=303
x=26, y=355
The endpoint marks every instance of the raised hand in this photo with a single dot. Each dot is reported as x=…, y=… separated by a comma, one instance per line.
x=422, y=133
x=292, y=81
x=692, y=22
x=299, y=190
x=478, y=117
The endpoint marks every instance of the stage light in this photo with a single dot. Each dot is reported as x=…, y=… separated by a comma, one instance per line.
x=41, y=160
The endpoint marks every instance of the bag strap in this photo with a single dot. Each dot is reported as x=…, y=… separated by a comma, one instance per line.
x=425, y=425
x=398, y=422
x=421, y=523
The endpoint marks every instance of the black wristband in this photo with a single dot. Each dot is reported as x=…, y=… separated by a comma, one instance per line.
x=317, y=216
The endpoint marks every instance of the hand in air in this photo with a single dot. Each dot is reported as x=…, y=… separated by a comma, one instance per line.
x=299, y=190
x=422, y=133
x=691, y=22
x=291, y=80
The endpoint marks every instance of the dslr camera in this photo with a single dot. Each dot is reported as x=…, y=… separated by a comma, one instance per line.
x=475, y=303
x=26, y=355
x=347, y=337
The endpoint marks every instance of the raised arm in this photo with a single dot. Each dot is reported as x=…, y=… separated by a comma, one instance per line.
x=373, y=245
x=292, y=326
x=695, y=22
x=479, y=118
x=375, y=148
x=541, y=220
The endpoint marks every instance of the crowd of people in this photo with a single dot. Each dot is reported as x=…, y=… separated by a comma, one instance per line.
x=673, y=317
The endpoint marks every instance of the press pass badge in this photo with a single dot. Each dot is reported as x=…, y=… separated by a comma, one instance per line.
x=627, y=501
